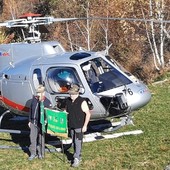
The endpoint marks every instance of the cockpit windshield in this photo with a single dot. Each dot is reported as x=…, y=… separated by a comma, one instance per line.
x=118, y=65
x=60, y=79
x=102, y=76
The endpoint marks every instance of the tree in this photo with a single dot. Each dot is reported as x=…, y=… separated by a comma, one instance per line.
x=128, y=38
x=12, y=9
x=156, y=31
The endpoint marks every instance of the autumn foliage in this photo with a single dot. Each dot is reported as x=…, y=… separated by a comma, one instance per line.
x=127, y=39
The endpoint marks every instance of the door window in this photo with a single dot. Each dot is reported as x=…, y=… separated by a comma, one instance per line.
x=37, y=77
x=60, y=79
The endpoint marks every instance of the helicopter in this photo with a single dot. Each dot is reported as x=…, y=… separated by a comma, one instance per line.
x=110, y=90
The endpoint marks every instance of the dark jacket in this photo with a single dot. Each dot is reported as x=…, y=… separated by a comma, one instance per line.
x=34, y=112
x=76, y=116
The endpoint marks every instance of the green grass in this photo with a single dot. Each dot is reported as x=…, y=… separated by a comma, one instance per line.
x=147, y=151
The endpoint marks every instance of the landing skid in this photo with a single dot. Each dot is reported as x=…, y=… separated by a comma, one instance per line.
x=3, y=114
x=94, y=133
x=113, y=126
x=97, y=136
x=12, y=131
x=128, y=120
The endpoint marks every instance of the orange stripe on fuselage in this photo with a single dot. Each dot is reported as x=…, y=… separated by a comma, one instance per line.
x=14, y=105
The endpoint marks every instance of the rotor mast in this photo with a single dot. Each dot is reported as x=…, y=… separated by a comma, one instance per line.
x=33, y=33
x=32, y=22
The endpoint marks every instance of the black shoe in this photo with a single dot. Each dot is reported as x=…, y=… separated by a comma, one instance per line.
x=32, y=157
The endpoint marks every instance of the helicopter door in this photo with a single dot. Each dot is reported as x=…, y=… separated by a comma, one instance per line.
x=37, y=77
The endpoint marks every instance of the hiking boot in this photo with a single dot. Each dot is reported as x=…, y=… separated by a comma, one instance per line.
x=76, y=162
x=40, y=157
x=32, y=157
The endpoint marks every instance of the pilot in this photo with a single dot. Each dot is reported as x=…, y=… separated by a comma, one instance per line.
x=78, y=119
x=65, y=80
x=34, y=123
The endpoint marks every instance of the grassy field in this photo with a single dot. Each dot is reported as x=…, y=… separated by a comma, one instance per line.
x=147, y=151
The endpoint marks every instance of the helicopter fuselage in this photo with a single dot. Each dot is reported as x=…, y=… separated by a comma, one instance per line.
x=109, y=90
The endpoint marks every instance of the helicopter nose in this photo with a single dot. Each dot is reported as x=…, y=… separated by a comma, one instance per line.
x=140, y=99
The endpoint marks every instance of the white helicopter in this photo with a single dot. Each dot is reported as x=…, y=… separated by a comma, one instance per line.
x=110, y=90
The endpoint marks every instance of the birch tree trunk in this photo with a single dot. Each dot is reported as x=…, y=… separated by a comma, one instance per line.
x=161, y=16
x=156, y=10
x=153, y=34
x=69, y=37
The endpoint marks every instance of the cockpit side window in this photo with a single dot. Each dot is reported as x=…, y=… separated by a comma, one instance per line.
x=102, y=76
x=60, y=79
x=37, y=77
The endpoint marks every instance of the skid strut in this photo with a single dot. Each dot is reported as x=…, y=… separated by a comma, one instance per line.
x=1, y=117
x=10, y=130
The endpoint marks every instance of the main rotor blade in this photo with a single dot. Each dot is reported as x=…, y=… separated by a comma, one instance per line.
x=127, y=19
x=3, y=24
x=49, y=20
x=34, y=21
x=64, y=19
x=112, y=18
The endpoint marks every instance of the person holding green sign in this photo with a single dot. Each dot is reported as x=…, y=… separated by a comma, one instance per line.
x=78, y=119
x=34, y=122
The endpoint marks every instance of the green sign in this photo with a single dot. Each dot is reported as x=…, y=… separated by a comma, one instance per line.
x=56, y=122
x=42, y=117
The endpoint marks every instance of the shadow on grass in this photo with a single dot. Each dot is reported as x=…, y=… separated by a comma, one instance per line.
x=22, y=140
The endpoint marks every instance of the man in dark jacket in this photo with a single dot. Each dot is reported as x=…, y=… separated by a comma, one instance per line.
x=34, y=123
x=78, y=119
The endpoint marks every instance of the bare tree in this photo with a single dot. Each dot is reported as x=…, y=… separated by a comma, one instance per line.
x=105, y=27
x=87, y=27
x=156, y=31
x=69, y=36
